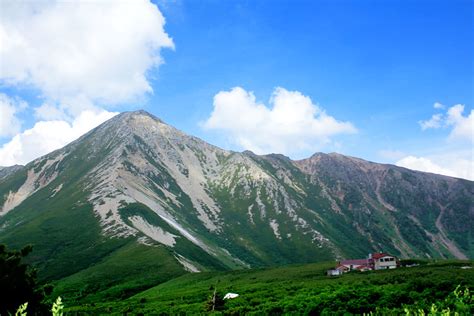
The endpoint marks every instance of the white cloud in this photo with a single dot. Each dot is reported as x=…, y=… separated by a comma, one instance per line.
x=46, y=136
x=9, y=108
x=291, y=125
x=438, y=105
x=455, y=164
x=49, y=112
x=436, y=121
x=463, y=126
x=423, y=164
x=95, y=50
x=456, y=159
x=81, y=56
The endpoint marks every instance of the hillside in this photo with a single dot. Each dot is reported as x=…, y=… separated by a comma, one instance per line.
x=297, y=289
x=136, y=202
x=6, y=171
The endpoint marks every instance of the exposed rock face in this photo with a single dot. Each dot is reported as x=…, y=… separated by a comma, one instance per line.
x=146, y=180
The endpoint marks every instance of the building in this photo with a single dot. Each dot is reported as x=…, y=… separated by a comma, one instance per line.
x=339, y=270
x=334, y=272
x=375, y=261
x=380, y=261
x=355, y=264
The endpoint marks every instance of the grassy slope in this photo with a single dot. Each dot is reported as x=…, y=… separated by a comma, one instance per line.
x=70, y=251
x=69, y=248
x=12, y=183
x=297, y=289
x=58, y=233
x=129, y=270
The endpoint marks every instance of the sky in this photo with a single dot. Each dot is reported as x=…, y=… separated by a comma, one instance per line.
x=386, y=81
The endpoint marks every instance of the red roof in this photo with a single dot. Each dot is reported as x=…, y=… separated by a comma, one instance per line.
x=379, y=255
x=340, y=267
x=355, y=262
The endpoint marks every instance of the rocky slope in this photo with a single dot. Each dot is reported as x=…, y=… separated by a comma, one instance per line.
x=135, y=180
x=6, y=171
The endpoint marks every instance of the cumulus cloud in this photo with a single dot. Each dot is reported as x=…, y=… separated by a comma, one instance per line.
x=9, y=122
x=436, y=121
x=455, y=164
x=82, y=57
x=100, y=50
x=46, y=136
x=438, y=105
x=423, y=164
x=462, y=127
x=49, y=112
x=457, y=159
x=292, y=123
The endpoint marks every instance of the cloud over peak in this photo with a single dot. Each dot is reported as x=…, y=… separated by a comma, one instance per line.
x=9, y=108
x=292, y=124
x=454, y=164
x=98, y=50
x=83, y=57
x=46, y=136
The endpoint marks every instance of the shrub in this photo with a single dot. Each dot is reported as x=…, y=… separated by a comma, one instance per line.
x=18, y=283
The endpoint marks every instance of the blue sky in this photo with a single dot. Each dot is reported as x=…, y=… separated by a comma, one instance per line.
x=379, y=66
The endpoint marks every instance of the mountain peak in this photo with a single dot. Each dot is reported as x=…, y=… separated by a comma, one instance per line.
x=133, y=122
x=138, y=113
x=137, y=179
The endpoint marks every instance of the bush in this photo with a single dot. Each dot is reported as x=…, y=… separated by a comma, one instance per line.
x=18, y=283
x=215, y=302
x=459, y=302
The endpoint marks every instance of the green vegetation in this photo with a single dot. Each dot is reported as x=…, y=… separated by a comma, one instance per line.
x=18, y=282
x=413, y=233
x=56, y=309
x=305, y=289
x=120, y=275
x=460, y=302
x=12, y=183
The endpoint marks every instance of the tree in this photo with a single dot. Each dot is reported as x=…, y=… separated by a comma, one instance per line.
x=215, y=301
x=18, y=282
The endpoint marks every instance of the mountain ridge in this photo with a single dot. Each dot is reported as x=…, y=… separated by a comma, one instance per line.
x=135, y=182
x=145, y=113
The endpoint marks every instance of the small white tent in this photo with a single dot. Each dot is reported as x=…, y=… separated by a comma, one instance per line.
x=230, y=296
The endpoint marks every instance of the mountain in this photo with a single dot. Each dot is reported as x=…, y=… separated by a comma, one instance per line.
x=136, y=202
x=6, y=171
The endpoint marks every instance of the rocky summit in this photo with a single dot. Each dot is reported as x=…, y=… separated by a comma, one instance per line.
x=137, y=192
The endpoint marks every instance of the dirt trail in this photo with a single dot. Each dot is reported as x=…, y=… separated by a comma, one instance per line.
x=453, y=249
x=379, y=196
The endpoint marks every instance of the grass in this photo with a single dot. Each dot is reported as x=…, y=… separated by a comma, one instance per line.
x=120, y=275
x=296, y=289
